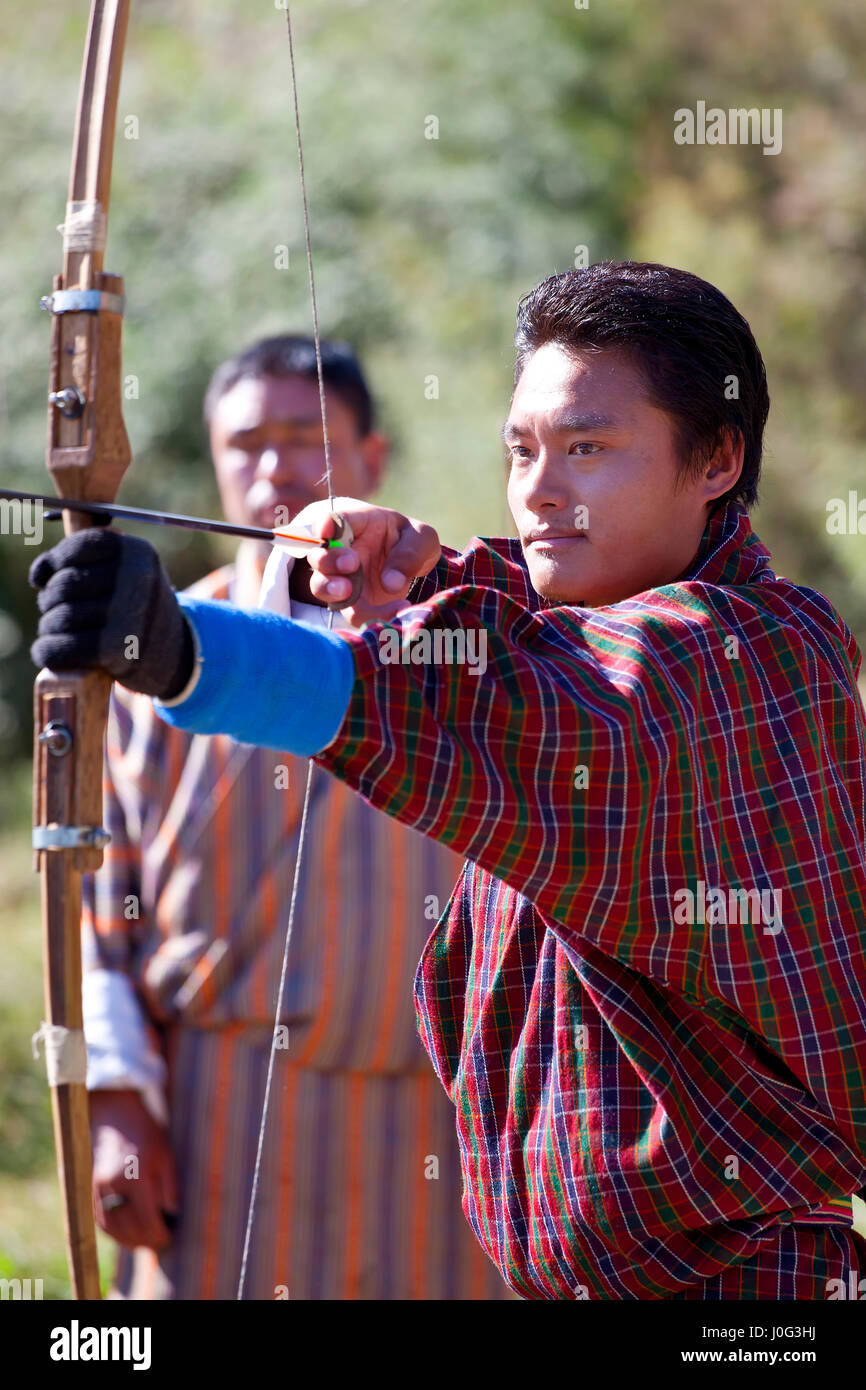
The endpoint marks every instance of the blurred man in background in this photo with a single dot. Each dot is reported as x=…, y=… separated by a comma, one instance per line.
x=360, y=1194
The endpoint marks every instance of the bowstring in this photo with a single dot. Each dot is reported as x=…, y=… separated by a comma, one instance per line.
x=310, y=766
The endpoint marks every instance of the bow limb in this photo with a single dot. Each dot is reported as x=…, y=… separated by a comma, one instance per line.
x=87, y=455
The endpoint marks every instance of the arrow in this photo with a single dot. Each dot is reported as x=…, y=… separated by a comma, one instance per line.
x=285, y=539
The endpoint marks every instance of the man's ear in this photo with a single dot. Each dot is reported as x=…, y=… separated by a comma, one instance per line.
x=375, y=449
x=726, y=465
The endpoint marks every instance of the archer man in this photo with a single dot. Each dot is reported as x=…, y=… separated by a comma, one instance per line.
x=645, y=998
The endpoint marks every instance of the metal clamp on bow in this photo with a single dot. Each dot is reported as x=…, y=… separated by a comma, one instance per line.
x=70, y=837
x=83, y=301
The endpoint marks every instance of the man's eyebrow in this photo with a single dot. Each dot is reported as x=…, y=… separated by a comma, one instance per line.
x=566, y=424
x=292, y=421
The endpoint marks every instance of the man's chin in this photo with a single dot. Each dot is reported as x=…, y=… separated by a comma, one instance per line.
x=551, y=598
x=550, y=589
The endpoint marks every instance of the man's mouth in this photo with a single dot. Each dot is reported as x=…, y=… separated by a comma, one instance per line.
x=554, y=538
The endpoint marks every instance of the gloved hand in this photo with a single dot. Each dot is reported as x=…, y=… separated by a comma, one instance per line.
x=106, y=601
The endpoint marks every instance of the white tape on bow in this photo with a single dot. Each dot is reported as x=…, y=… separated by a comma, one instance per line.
x=85, y=227
x=65, y=1053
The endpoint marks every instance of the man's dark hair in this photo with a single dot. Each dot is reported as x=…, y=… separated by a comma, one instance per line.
x=295, y=355
x=689, y=343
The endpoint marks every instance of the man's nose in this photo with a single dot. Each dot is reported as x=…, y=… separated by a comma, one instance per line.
x=278, y=465
x=546, y=482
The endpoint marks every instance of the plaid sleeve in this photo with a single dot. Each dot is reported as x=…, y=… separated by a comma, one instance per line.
x=615, y=765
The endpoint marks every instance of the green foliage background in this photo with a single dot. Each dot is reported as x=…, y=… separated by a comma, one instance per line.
x=555, y=130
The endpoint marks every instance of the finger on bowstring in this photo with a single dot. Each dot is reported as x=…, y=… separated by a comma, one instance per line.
x=343, y=532
x=415, y=552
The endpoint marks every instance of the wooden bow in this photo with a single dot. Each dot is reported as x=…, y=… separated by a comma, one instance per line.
x=87, y=455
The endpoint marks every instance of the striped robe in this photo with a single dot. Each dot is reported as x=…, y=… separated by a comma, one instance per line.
x=360, y=1196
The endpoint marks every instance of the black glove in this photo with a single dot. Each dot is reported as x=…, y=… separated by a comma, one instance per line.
x=106, y=601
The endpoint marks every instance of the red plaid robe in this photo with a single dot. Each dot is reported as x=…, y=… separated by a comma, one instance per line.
x=648, y=1106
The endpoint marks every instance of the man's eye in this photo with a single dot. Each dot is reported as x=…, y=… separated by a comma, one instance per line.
x=520, y=451
x=583, y=447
